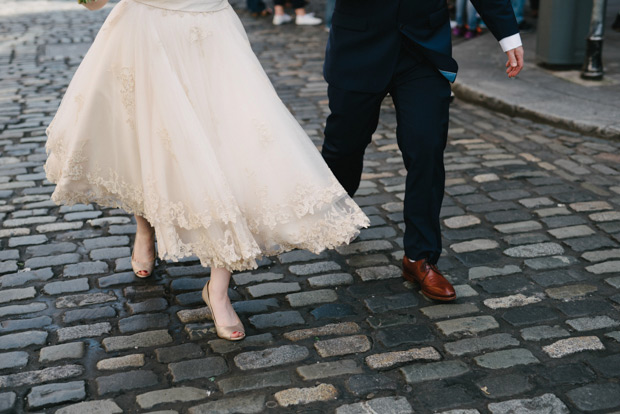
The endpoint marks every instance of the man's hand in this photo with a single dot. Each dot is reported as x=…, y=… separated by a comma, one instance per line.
x=515, y=61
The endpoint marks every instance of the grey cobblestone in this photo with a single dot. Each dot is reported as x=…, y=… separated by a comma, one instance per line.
x=531, y=225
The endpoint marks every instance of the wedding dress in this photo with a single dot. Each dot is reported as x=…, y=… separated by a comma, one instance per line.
x=170, y=116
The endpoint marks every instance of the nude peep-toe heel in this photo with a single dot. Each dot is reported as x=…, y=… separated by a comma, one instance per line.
x=146, y=267
x=224, y=332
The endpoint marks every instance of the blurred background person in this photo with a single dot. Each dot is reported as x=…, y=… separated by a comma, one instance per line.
x=519, y=8
x=258, y=8
x=330, y=5
x=301, y=17
x=467, y=29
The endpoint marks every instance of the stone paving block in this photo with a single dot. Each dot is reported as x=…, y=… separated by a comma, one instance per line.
x=44, y=395
x=518, y=227
x=365, y=384
x=178, y=353
x=83, y=331
x=73, y=350
x=51, y=249
x=125, y=381
x=474, y=245
x=58, y=288
x=256, y=306
x=379, y=304
x=61, y=259
x=271, y=357
x=389, y=359
x=511, y=301
x=12, y=325
x=313, y=268
x=273, y=288
x=477, y=345
x=571, y=231
x=171, y=395
x=329, y=369
x=261, y=380
x=85, y=268
x=247, y=278
x=546, y=403
x=247, y=404
x=299, y=396
x=595, y=397
x=19, y=279
x=482, y=272
x=13, y=360
x=143, y=322
x=333, y=279
x=506, y=358
x=345, y=328
x=609, y=366
x=149, y=305
x=85, y=299
x=601, y=255
x=570, y=292
x=592, y=323
x=605, y=267
x=37, y=377
x=502, y=386
x=416, y=373
x=539, y=333
x=277, y=319
x=551, y=262
x=458, y=222
x=385, y=405
x=449, y=311
x=23, y=339
x=468, y=325
x=89, y=314
x=11, y=295
x=311, y=297
x=126, y=361
x=534, y=250
x=605, y=216
x=197, y=368
x=139, y=340
x=222, y=346
x=588, y=206
x=22, y=309
x=300, y=256
x=379, y=273
x=7, y=401
x=355, y=344
x=573, y=345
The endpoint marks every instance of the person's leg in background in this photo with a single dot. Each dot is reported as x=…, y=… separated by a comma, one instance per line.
x=459, y=29
x=329, y=12
x=472, y=21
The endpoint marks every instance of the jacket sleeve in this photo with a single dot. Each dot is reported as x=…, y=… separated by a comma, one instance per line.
x=498, y=16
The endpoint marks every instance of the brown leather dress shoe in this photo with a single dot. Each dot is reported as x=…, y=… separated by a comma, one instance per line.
x=431, y=281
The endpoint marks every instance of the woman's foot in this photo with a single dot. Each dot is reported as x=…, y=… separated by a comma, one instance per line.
x=227, y=323
x=143, y=255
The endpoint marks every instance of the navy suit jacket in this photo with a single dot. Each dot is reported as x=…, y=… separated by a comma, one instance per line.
x=367, y=36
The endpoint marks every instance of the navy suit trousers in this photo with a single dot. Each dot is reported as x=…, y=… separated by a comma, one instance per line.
x=421, y=96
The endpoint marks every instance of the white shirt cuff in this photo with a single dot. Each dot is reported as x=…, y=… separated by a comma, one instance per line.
x=510, y=42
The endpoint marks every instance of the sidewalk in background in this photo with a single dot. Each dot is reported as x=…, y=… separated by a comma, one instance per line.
x=560, y=98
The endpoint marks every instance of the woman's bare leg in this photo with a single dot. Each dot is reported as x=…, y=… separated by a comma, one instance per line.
x=144, y=245
x=220, y=302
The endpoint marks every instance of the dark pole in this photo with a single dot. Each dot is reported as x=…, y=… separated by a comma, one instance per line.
x=593, y=65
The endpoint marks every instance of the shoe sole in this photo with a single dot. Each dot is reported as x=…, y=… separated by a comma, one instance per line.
x=411, y=279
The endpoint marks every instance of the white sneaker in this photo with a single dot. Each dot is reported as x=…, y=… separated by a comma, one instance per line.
x=307, y=19
x=279, y=19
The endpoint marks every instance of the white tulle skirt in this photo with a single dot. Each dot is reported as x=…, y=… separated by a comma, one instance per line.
x=170, y=116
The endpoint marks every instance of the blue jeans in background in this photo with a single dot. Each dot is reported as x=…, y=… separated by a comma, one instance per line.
x=472, y=14
x=255, y=6
x=329, y=11
x=518, y=6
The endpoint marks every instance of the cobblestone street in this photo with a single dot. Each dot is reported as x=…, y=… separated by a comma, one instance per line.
x=531, y=226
